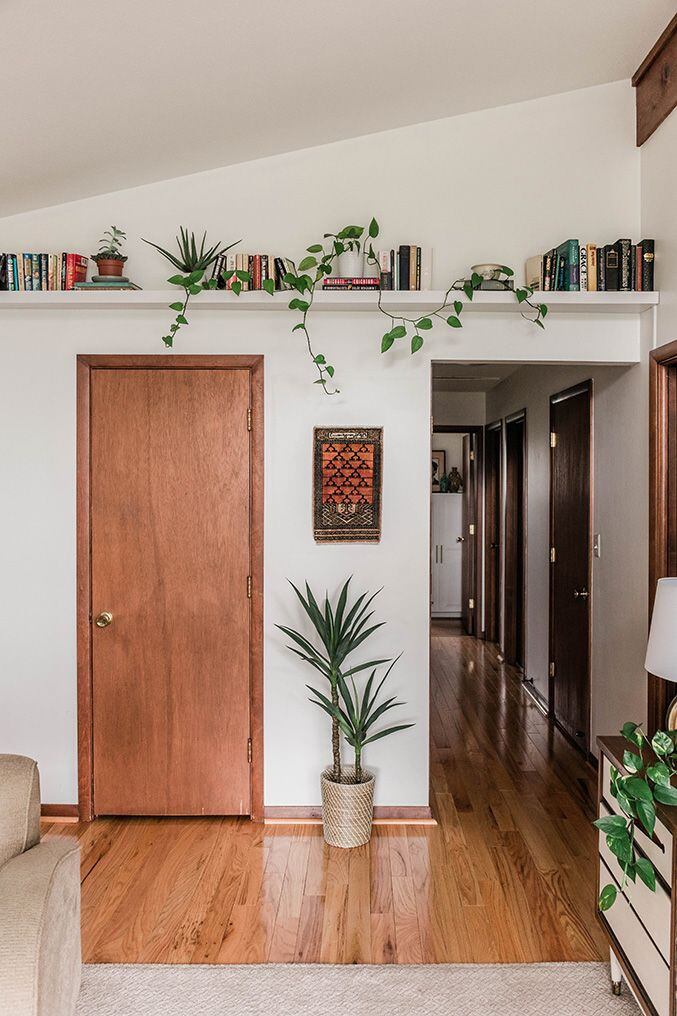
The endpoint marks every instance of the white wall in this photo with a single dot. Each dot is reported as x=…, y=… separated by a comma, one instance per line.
x=659, y=219
x=452, y=445
x=620, y=515
x=459, y=409
x=476, y=187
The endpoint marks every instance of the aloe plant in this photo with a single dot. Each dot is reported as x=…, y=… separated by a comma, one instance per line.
x=192, y=262
x=359, y=712
x=341, y=629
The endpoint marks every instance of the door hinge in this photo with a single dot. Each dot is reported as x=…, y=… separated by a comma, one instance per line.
x=551, y=670
x=471, y=604
x=472, y=456
x=249, y=419
x=249, y=750
x=553, y=439
x=249, y=587
x=553, y=555
x=471, y=529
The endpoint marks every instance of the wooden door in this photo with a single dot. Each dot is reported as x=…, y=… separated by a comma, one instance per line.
x=469, y=538
x=514, y=636
x=170, y=558
x=570, y=568
x=492, y=530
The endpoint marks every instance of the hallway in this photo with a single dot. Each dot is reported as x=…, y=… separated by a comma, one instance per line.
x=508, y=874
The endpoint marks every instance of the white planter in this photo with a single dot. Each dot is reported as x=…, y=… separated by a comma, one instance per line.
x=351, y=265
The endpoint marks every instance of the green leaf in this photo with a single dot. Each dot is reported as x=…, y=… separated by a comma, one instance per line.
x=168, y=340
x=398, y=332
x=633, y=763
x=269, y=286
x=543, y=309
x=614, y=825
x=297, y=304
x=373, y=229
x=319, y=359
x=454, y=322
x=176, y=306
x=416, y=343
x=539, y=323
x=468, y=290
x=632, y=733
x=637, y=788
x=210, y=284
x=662, y=743
x=506, y=271
x=425, y=324
x=665, y=794
x=315, y=248
x=307, y=263
x=387, y=341
x=458, y=306
x=330, y=370
x=181, y=320
x=298, y=326
x=178, y=280
x=242, y=275
x=646, y=872
x=521, y=295
x=607, y=897
x=236, y=288
x=659, y=773
x=646, y=812
x=194, y=290
x=621, y=847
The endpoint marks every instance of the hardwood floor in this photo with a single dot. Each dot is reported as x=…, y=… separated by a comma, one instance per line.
x=508, y=875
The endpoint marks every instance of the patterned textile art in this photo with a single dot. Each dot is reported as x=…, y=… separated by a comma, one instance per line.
x=347, y=484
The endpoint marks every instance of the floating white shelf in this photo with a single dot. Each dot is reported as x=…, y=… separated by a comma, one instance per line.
x=351, y=301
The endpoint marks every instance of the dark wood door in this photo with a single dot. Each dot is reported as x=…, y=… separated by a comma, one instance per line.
x=514, y=639
x=570, y=567
x=492, y=530
x=469, y=537
x=170, y=559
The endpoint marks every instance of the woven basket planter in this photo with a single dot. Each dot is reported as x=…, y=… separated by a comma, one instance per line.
x=347, y=808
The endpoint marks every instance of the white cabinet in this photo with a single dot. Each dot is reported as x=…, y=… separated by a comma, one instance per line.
x=446, y=555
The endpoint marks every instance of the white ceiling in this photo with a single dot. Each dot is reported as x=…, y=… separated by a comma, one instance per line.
x=98, y=96
x=470, y=377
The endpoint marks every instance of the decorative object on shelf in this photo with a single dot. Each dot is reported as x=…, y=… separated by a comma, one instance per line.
x=351, y=257
x=488, y=271
x=455, y=481
x=193, y=265
x=439, y=468
x=444, y=484
x=347, y=791
x=650, y=767
x=110, y=260
x=347, y=484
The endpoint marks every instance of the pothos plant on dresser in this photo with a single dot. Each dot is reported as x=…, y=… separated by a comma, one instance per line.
x=649, y=766
x=341, y=627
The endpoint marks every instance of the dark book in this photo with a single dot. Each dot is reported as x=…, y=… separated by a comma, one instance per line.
x=28, y=270
x=633, y=267
x=12, y=273
x=280, y=272
x=394, y=283
x=624, y=249
x=647, y=264
x=418, y=268
x=64, y=267
x=601, y=269
x=612, y=260
x=44, y=271
x=549, y=271
x=3, y=272
x=404, y=255
x=569, y=252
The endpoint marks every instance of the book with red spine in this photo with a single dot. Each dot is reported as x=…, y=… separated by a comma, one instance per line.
x=76, y=269
x=343, y=280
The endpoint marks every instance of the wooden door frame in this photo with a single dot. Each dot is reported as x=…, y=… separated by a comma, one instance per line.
x=516, y=417
x=478, y=430
x=662, y=537
x=567, y=393
x=496, y=425
x=85, y=365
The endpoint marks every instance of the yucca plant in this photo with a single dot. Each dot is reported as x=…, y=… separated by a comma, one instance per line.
x=192, y=261
x=341, y=629
x=359, y=712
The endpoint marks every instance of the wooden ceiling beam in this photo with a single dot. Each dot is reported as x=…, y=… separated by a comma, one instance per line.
x=655, y=81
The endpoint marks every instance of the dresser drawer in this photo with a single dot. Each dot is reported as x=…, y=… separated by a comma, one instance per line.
x=661, y=855
x=653, y=909
x=641, y=953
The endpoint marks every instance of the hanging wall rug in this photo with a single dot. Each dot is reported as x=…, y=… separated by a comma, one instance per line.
x=347, y=484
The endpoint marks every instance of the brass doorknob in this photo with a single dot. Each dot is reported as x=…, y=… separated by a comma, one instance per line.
x=103, y=619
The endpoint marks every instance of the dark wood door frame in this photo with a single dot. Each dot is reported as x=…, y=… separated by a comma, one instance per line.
x=515, y=613
x=85, y=366
x=493, y=533
x=478, y=431
x=662, y=500
x=578, y=389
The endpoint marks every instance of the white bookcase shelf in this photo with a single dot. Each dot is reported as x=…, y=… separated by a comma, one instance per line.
x=351, y=301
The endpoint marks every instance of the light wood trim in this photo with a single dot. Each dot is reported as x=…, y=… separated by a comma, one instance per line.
x=655, y=82
x=84, y=365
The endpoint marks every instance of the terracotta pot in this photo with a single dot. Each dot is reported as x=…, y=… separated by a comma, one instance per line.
x=347, y=808
x=110, y=266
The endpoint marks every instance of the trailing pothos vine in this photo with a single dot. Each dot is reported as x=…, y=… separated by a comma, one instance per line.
x=318, y=263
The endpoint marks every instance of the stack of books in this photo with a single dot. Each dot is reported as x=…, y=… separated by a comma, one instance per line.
x=620, y=267
x=259, y=266
x=111, y=282
x=30, y=272
x=407, y=267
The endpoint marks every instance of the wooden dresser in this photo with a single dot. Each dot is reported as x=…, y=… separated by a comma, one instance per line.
x=641, y=924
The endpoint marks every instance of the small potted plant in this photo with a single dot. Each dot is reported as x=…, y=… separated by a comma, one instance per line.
x=347, y=791
x=348, y=251
x=110, y=259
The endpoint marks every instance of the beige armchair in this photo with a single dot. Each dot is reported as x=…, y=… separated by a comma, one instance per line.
x=39, y=903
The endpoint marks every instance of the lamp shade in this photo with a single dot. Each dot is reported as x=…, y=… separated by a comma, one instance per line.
x=661, y=653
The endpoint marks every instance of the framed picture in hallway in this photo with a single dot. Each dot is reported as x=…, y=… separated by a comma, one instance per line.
x=347, y=484
x=438, y=468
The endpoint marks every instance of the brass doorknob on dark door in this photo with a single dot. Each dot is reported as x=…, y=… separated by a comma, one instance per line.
x=581, y=594
x=103, y=619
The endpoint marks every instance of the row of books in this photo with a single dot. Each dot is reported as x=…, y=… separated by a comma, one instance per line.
x=407, y=267
x=620, y=267
x=259, y=267
x=30, y=272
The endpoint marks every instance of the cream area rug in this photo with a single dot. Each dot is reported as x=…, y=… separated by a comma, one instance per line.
x=537, y=989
